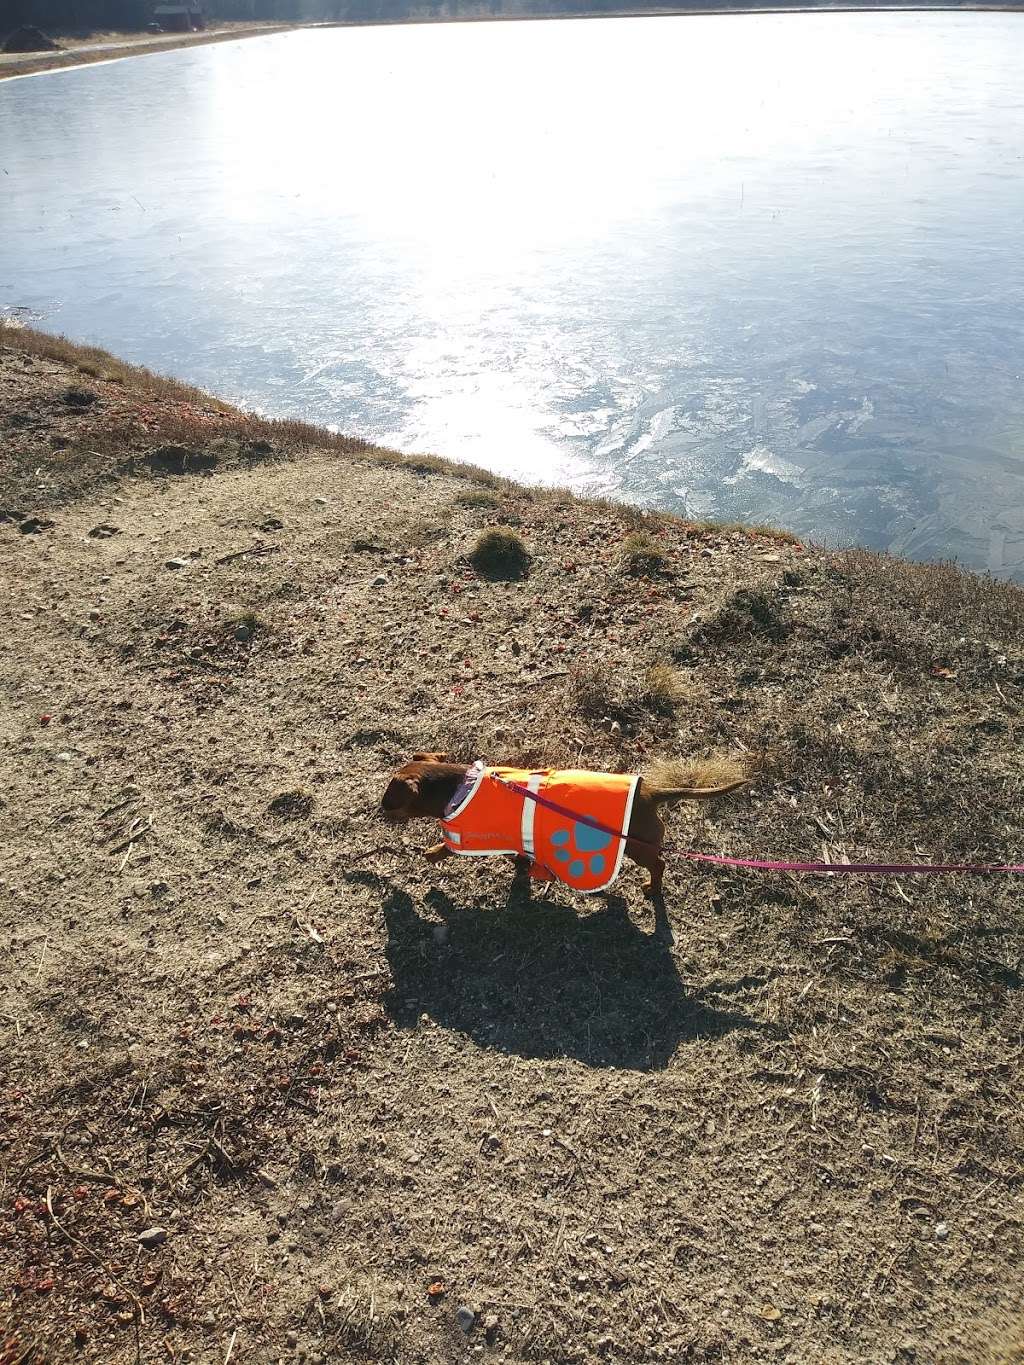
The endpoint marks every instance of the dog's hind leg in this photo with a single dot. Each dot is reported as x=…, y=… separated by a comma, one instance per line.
x=650, y=857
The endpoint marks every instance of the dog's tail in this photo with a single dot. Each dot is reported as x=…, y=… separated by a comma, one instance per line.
x=671, y=780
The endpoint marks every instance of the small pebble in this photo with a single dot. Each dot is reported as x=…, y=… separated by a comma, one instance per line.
x=176, y=564
x=93, y=614
x=379, y=581
x=465, y=1317
x=941, y=1231
x=320, y=502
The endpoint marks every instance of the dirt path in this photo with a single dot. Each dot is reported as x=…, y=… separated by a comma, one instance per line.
x=266, y=1077
x=81, y=53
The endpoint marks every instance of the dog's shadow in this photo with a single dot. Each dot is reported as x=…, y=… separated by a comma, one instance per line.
x=537, y=979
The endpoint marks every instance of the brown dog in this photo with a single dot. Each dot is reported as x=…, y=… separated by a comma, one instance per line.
x=424, y=788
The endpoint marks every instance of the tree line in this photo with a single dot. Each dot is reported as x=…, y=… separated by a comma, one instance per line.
x=70, y=16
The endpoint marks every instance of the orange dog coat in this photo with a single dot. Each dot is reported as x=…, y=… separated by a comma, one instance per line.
x=491, y=819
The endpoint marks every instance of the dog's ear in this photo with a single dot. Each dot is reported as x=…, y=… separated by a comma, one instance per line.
x=400, y=793
x=430, y=758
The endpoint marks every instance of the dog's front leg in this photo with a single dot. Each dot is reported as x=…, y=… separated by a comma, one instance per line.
x=436, y=853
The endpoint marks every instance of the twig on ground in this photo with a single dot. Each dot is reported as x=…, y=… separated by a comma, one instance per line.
x=42, y=958
x=135, y=1302
x=192, y=1163
x=32, y=1161
x=118, y=805
x=259, y=549
x=138, y=829
x=308, y=929
x=96, y=1177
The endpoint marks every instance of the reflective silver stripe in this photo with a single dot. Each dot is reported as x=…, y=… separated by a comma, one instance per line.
x=530, y=814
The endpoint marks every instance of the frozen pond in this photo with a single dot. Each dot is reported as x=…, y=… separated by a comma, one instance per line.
x=766, y=267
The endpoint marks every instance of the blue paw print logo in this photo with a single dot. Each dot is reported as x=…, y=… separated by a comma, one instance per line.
x=581, y=847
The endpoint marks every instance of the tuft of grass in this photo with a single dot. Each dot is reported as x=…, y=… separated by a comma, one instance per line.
x=638, y=519
x=593, y=691
x=642, y=556
x=478, y=498
x=748, y=612
x=292, y=805
x=500, y=553
x=661, y=689
x=600, y=694
x=426, y=464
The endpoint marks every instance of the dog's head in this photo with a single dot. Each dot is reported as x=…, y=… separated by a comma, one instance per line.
x=404, y=797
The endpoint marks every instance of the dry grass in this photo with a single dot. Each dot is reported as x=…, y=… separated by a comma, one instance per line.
x=759, y=529
x=642, y=555
x=662, y=689
x=93, y=361
x=600, y=693
x=595, y=691
x=749, y=612
x=944, y=595
x=478, y=498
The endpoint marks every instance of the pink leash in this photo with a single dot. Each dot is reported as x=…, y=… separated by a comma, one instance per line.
x=876, y=869
x=766, y=865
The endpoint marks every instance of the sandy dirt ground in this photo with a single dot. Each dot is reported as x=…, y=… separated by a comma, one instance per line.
x=272, y=1088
